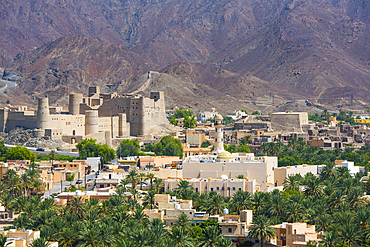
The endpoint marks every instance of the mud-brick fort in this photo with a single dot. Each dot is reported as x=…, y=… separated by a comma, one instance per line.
x=101, y=116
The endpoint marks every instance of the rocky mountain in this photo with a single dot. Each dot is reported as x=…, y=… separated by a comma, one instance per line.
x=257, y=52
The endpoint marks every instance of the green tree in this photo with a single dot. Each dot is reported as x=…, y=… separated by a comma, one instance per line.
x=206, y=144
x=231, y=148
x=227, y=120
x=183, y=113
x=4, y=241
x=128, y=148
x=244, y=149
x=181, y=237
x=256, y=113
x=211, y=237
x=174, y=121
x=261, y=229
x=169, y=146
x=189, y=122
x=244, y=110
x=89, y=148
x=39, y=242
x=20, y=153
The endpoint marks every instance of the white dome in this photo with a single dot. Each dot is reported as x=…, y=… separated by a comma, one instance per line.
x=224, y=177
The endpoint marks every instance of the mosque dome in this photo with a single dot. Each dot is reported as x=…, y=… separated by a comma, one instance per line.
x=224, y=155
x=218, y=116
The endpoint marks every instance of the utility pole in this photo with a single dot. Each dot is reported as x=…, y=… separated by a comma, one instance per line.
x=85, y=177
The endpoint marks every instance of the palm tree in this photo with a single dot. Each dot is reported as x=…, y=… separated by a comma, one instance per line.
x=261, y=229
x=350, y=235
x=183, y=221
x=328, y=240
x=328, y=171
x=314, y=188
x=211, y=237
x=158, y=184
x=140, y=216
x=7, y=201
x=241, y=200
x=181, y=237
x=292, y=182
x=214, y=205
x=294, y=211
x=243, y=141
x=292, y=143
x=123, y=184
x=150, y=177
x=157, y=227
x=77, y=207
x=276, y=206
x=39, y=242
x=89, y=237
x=67, y=237
x=132, y=176
x=142, y=178
x=4, y=241
x=8, y=175
x=149, y=199
x=258, y=202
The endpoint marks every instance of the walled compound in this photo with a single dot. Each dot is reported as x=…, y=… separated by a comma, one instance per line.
x=101, y=116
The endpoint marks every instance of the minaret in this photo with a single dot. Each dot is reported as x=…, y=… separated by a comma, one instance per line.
x=219, y=135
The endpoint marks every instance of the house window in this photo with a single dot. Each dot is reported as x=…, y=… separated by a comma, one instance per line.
x=223, y=188
x=240, y=188
x=211, y=189
x=196, y=189
x=230, y=230
x=228, y=188
x=218, y=188
x=191, y=212
x=233, y=188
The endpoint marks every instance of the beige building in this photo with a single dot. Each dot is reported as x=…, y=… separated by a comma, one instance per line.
x=223, y=187
x=195, y=140
x=86, y=195
x=164, y=201
x=233, y=226
x=226, y=165
x=156, y=161
x=196, y=151
x=295, y=234
x=280, y=173
x=196, y=218
x=289, y=121
x=18, y=238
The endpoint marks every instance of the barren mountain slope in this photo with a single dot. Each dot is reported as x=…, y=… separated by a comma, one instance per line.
x=301, y=49
x=183, y=92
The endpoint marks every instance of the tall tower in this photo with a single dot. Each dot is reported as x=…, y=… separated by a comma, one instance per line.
x=219, y=135
x=74, y=103
x=43, y=114
x=91, y=122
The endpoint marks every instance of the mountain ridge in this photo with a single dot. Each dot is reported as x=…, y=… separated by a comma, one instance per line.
x=289, y=49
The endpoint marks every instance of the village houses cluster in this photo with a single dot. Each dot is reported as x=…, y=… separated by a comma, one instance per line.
x=110, y=117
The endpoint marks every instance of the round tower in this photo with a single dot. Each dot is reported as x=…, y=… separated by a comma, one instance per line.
x=43, y=114
x=74, y=103
x=219, y=135
x=91, y=122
